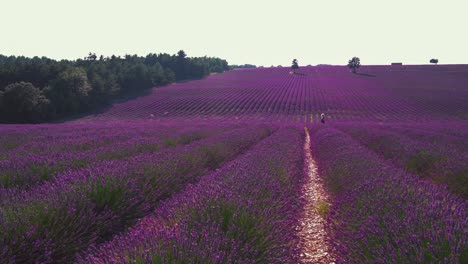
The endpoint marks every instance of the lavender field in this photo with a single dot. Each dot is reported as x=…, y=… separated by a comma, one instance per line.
x=212, y=171
x=377, y=93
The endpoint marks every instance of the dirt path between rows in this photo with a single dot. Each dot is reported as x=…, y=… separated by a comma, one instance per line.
x=313, y=246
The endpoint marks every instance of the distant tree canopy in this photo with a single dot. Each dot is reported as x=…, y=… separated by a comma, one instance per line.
x=243, y=66
x=354, y=64
x=435, y=61
x=41, y=89
x=295, y=65
x=23, y=101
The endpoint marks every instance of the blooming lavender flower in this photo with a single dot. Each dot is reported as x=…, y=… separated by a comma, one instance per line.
x=66, y=215
x=243, y=213
x=381, y=213
x=442, y=160
x=51, y=154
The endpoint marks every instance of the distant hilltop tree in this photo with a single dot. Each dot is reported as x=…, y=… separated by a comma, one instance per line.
x=295, y=65
x=434, y=61
x=354, y=64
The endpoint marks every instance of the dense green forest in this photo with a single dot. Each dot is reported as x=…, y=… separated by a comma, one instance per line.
x=37, y=89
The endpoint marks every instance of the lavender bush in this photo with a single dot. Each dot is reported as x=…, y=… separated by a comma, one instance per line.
x=58, y=219
x=52, y=154
x=438, y=160
x=244, y=213
x=382, y=214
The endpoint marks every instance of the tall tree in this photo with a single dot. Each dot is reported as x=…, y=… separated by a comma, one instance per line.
x=91, y=56
x=354, y=64
x=181, y=71
x=181, y=54
x=69, y=91
x=295, y=65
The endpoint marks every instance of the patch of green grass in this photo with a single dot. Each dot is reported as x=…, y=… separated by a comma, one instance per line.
x=7, y=179
x=37, y=213
x=335, y=179
x=169, y=255
x=108, y=194
x=170, y=142
x=236, y=222
x=80, y=163
x=12, y=144
x=122, y=153
x=82, y=147
x=322, y=208
x=385, y=146
x=280, y=174
x=185, y=139
x=422, y=162
x=464, y=256
x=44, y=171
x=458, y=182
x=150, y=147
x=215, y=155
x=39, y=220
x=115, y=154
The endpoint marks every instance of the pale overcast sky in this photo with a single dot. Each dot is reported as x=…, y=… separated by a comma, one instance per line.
x=262, y=32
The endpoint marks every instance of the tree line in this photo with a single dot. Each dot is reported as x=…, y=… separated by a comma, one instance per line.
x=243, y=66
x=39, y=89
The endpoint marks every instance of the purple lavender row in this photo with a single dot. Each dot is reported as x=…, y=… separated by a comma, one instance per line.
x=30, y=169
x=116, y=155
x=55, y=221
x=82, y=137
x=45, y=139
x=30, y=134
x=48, y=143
x=243, y=213
x=451, y=134
x=129, y=165
x=382, y=214
x=21, y=139
x=436, y=161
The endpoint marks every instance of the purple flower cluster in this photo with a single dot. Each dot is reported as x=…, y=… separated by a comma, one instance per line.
x=383, y=214
x=54, y=221
x=243, y=213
